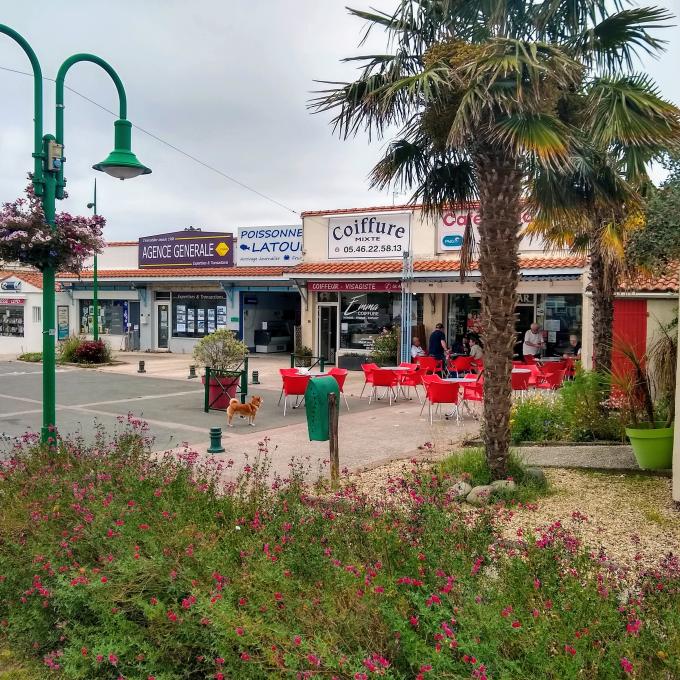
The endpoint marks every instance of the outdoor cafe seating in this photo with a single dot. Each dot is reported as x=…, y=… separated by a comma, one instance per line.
x=387, y=378
x=294, y=385
x=439, y=391
x=368, y=376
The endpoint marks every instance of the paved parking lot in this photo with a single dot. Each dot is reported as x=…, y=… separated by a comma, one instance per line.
x=173, y=407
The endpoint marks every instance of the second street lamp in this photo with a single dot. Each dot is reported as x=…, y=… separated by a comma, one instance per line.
x=49, y=183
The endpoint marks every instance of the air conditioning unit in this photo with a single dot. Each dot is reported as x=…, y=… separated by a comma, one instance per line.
x=11, y=285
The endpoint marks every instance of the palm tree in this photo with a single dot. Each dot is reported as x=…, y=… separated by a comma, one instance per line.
x=482, y=91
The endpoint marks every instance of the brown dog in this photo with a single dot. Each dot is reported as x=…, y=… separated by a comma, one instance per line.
x=248, y=410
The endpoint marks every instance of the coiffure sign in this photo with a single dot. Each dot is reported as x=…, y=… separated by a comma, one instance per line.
x=186, y=249
x=369, y=237
x=452, y=228
x=279, y=246
x=354, y=286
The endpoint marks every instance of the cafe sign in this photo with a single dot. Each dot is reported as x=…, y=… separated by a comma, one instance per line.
x=451, y=229
x=369, y=237
x=186, y=249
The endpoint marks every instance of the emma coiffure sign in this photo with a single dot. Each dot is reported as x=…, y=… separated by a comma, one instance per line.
x=278, y=246
x=369, y=237
x=186, y=249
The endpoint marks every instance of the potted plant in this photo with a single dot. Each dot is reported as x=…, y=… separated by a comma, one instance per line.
x=352, y=360
x=303, y=357
x=223, y=353
x=385, y=351
x=647, y=388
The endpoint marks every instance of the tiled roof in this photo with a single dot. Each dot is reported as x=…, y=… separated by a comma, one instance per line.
x=394, y=266
x=648, y=283
x=390, y=267
x=194, y=272
x=34, y=278
x=121, y=243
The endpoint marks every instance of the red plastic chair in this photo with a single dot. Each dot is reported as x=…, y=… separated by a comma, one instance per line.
x=368, y=376
x=474, y=391
x=553, y=367
x=340, y=375
x=460, y=365
x=411, y=379
x=478, y=365
x=293, y=386
x=441, y=392
x=520, y=382
x=406, y=364
x=552, y=381
x=430, y=364
x=387, y=378
x=569, y=368
x=529, y=359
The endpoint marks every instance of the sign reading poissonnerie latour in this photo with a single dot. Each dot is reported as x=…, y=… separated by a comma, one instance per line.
x=369, y=237
x=273, y=246
x=186, y=249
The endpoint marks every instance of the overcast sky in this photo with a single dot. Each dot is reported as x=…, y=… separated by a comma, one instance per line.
x=226, y=81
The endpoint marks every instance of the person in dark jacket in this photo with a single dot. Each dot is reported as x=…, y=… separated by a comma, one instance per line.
x=437, y=346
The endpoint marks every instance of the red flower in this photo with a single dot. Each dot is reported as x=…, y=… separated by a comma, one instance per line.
x=626, y=665
x=569, y=650
x=239, y=631
x=516, y=624
x=103, y=579
x=297, y=640
x=171, y=616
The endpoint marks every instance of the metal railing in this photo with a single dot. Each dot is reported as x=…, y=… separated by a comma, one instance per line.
x=225, y=381
x=306, y=361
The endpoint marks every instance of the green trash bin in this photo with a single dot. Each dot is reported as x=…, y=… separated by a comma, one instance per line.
x=316, y=406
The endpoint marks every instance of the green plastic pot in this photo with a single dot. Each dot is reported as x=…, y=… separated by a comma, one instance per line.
x=653, y=447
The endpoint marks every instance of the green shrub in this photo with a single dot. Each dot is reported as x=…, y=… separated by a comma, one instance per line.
x=537, y=419
x=385, y=350
x=585, y=417
x=66, y=351
x=303, y=357
x=119, y=563
x=93, y=352
x=221, y=351
x=33, y=357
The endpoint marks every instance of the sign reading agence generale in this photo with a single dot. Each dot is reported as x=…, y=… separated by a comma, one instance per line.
x=186, y=249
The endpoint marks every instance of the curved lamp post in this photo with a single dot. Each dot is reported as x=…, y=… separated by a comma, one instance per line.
x=49, y=183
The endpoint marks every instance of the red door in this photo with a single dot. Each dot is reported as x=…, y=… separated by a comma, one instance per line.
x=630, y=326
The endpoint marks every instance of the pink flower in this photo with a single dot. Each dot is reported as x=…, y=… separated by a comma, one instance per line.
x=297, y=640
x=516, y=624
x=633, y=627
x=626, y=665
x=239, y=631
x=113, y=659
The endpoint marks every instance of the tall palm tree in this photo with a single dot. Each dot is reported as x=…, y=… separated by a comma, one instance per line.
x=482, y=91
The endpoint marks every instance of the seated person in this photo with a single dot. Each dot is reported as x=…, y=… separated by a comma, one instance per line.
x=416, y=349
x=458, y=347
x=574, y=349
x=476, y=351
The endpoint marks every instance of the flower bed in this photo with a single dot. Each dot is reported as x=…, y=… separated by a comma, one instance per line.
x=120, y=564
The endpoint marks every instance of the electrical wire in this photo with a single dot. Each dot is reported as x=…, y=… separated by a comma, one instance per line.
x=154, y=136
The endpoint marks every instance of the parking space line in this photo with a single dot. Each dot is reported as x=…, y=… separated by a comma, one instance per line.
x=159, y=423
x=20, y=413
x=30, y=401
x=141, y=398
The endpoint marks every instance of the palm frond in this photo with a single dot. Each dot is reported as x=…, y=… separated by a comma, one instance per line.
x=629, y=111
x=618, y=38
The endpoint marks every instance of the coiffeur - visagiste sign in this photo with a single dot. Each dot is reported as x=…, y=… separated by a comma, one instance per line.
x=186, y=249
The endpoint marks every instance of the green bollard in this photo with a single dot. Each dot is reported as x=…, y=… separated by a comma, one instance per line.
x=216, y=440
x=192, y=372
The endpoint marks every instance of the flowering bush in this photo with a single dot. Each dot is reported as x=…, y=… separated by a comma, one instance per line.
x=92, y=352
x=25, y=237
x=116, y=563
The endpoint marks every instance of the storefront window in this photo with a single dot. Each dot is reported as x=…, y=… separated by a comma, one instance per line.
x=563, y=317
x=363, y=316
x=12, y=320
x=463, y=318
x=197, y=314
x=113, y=316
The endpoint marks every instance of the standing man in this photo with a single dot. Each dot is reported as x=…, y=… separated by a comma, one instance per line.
x=533, y=340
x=437, y=346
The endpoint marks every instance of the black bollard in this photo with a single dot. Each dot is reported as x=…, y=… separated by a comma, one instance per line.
x=192, y=372
x=141, y=368
x=256, y=378
x=216, y=440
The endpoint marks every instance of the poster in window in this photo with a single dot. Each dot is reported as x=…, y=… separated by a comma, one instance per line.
x=200, y=326
x=62, y=322
x=181, y=315
x=190, y=320
x=181, y=327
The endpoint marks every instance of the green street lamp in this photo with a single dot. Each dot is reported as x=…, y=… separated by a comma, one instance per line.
x=95, y=278
x=49, y=183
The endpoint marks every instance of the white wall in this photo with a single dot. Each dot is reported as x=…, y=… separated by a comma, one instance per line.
x=116, y=257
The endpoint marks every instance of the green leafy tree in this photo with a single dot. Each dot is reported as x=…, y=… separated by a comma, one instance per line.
x=491, y=97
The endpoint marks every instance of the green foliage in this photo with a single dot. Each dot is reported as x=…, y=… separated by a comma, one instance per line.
x=385, y=350
x=75, y=350
x=303, y=357
x=66, y=351
x=471, y=465
x=575, y=414
x=220, y=350
x=120, y=563
x=33, y=357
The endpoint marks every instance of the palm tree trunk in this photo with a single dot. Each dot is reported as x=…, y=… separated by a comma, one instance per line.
x=602, y=285
x=499, y=181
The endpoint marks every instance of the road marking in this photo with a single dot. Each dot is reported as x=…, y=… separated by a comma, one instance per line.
x=20, y=413
x=158, y=423
x=138, y=398
x=30, y=401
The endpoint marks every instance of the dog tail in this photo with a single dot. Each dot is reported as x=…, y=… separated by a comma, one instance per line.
x=233, y=401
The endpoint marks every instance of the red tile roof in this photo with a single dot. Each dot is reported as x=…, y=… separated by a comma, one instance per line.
x=649, y=283
x=394, y=266
x=121, y=243
x=34, y=278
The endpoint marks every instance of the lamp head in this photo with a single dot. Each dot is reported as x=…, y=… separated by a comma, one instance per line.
x=121, y=162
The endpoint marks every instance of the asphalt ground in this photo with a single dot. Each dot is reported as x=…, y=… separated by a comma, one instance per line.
x=88, y=398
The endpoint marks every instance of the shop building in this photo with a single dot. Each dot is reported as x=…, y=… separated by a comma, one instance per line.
x=20, y=312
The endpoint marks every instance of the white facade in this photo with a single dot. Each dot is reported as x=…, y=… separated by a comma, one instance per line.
x=20, y=314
